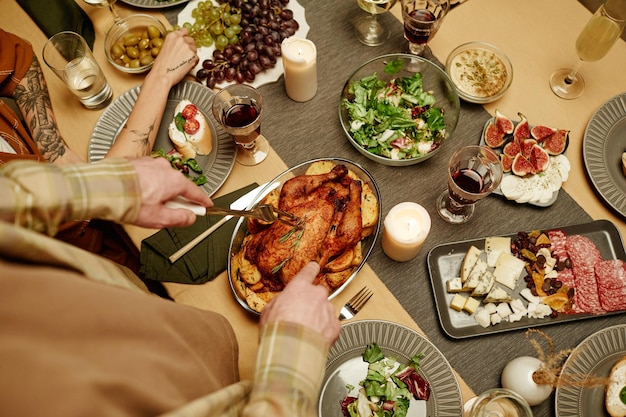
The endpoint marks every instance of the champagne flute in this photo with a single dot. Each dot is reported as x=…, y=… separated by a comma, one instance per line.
x=239, y=109
x=473, y=173
x=592, y=44
x=105, y=3
x=368, y=29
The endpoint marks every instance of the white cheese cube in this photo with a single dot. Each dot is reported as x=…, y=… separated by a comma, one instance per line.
x=495, y=318
x=516, y=317
x=483, y=318
x=503, y=310
x=528, y=295
x=454, y=285
x=494, y=246
x=490, y=307
x=508, y=269
x=518, y=306
x=458, y=302
x=471, y=305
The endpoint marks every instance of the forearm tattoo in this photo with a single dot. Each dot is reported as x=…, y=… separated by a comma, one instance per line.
x=141, y=139
x=32, y=97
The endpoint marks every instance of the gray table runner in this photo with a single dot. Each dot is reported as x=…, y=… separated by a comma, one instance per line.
x=302, y=131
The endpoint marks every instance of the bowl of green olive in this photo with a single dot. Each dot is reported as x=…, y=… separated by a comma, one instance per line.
x=133, y=43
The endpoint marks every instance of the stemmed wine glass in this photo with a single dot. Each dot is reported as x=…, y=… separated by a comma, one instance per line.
x=473, y=173
x=239, y=109
x=593, y=43
x=105, y=3
x=422, y=19
x=368, y=29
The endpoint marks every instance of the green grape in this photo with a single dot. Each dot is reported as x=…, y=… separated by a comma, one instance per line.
x=229, y=32
x=220, y=42
x=214, y=13
x=235, y=19
x=236, y=29
x=217, y=28
x=233, y=40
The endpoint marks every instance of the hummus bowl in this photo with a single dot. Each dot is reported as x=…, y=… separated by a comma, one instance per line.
x=243, y=290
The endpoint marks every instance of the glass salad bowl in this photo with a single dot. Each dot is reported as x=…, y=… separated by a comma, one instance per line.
x=418, y=114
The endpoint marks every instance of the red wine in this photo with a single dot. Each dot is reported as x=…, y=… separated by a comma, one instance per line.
x=241, y=115
x=469, y=180
x=415, y=32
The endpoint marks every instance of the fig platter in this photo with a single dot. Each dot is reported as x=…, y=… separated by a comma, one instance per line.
x=532, y=158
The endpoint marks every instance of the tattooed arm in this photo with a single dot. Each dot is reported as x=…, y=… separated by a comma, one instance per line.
x=177, y=57
x=33, y=100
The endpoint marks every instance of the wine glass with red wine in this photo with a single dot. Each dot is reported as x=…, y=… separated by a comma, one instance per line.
x=473, y=173
x=422, y=19
x=239, y=109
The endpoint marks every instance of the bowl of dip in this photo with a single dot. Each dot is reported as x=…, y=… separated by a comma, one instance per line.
x=481, y=72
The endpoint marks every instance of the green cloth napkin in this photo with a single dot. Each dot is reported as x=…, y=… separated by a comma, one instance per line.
x=54, y=16
x=201, y=264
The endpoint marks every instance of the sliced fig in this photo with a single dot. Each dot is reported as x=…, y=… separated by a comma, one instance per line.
x=522, y=166
x=541, y=132
x=512, y=148
x=556, y=143
x=539, y=158
x=507, y=162
x=522, y=130
x=504, y=123
x=494, y=137
x=526, y=145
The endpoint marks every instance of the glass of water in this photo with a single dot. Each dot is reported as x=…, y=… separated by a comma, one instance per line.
x=69, y=57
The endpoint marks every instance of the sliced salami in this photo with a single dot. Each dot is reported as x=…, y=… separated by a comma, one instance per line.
x=584, y=256
x=558, y=240
x=611, y=280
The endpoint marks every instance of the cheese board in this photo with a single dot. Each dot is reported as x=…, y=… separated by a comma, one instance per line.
x=445, y=262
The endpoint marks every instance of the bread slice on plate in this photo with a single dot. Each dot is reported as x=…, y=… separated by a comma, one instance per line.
x=617, y=382
x=189, y=131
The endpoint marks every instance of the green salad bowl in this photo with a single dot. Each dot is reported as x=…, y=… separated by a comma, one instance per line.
x=383, y=141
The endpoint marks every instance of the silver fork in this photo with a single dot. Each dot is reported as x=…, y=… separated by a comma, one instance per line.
x=264, y=212
x=355, y=304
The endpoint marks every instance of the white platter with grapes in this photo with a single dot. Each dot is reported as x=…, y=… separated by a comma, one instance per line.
x=239, y=41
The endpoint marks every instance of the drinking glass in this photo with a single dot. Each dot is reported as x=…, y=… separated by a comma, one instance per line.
x=368, y=29
x=473, y=173
x=497, y=402
x=69, y=57
x=105, y=3
x=422, y=19
x=239, y=109
x=592, y=44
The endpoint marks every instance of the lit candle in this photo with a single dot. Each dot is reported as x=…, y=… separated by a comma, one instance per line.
x=405, y=230
x=300, y=65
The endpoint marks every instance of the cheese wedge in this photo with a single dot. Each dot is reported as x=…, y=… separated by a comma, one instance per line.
x=472, y=255
x=497, y=295
x=480, y=267
x=494, y=246
x=484, y=284
x=508, y=269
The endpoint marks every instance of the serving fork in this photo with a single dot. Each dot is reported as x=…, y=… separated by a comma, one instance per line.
x=355, y=304
x=263, y=212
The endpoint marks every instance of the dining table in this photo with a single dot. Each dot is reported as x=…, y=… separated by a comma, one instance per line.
x=538, y=36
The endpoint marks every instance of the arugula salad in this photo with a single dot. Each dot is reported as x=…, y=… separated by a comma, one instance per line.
x=396, y=119
x=387, y=389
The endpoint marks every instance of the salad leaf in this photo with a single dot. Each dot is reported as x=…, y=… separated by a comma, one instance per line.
x=184, y=165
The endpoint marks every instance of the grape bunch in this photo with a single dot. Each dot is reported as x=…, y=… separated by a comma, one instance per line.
x=264, y=25
x=219, y=25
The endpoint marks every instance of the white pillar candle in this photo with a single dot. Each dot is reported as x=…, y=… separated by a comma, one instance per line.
x=300, y=65
x=405, y=229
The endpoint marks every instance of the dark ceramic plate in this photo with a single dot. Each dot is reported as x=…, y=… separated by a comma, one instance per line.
x=444, y=263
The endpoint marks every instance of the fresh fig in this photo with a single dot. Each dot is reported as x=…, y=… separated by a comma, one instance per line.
x=512, y=148
x=522, y=130
x=522, y=166
x=504, y=123
x=526, y=145
x=539, y=158
x=541, y=132
x=494, y=137
x=556, y=143
x=507, y=162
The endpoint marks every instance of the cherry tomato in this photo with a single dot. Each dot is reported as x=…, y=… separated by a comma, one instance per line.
x=190, y=111
x=191, y=126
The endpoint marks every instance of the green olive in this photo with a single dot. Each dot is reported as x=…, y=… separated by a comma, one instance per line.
x=131, y=40
x=155, y=51
x=156, y=42
x=125, y=59
x=132, y=52
x=144, y=43
x=117, y=50
x=134, y=63
x=154, y=32
x=146, y=60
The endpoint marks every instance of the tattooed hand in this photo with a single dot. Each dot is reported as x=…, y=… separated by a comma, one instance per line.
x=176, y=58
